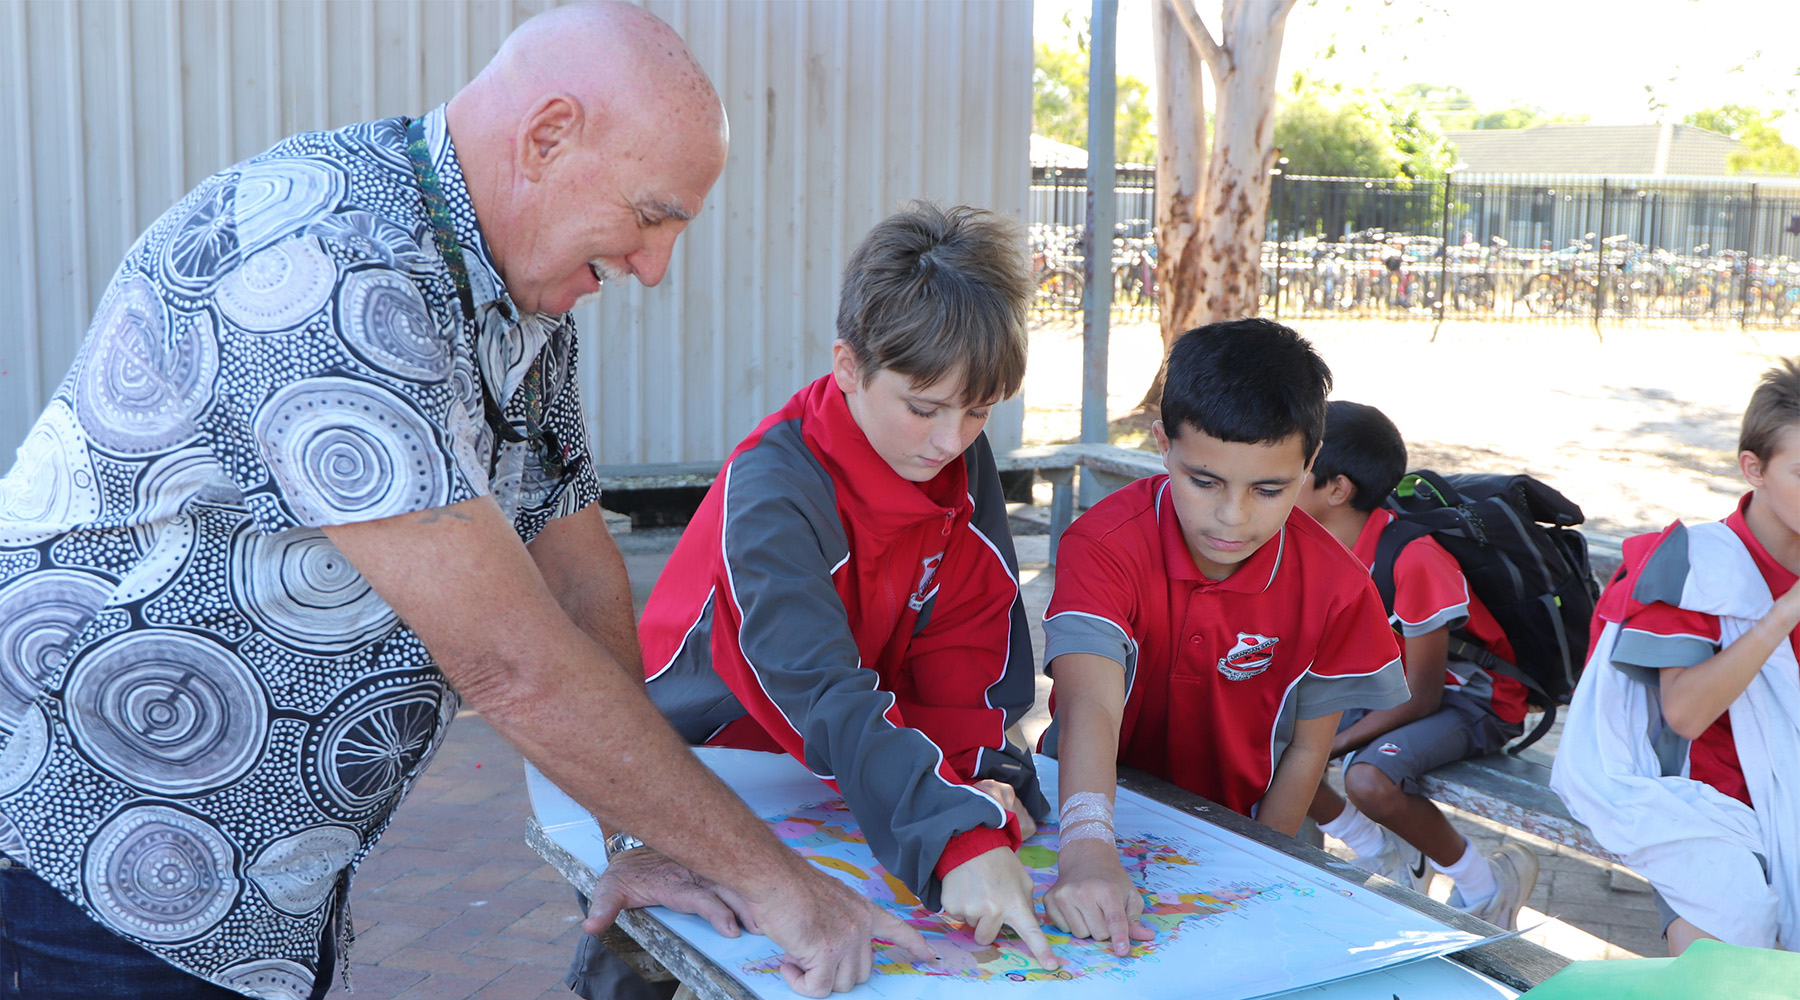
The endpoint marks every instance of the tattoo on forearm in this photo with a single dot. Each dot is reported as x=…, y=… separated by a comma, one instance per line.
x=433, y=515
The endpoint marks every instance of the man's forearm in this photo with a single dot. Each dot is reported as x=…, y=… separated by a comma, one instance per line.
x=603, y=742
x=582, y=565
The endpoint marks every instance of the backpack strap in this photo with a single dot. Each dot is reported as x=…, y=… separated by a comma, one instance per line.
x=1464, y=648
x=1447, y=495
x=1399, y=533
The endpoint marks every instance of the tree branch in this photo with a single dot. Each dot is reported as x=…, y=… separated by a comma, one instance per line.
x=1217, y=60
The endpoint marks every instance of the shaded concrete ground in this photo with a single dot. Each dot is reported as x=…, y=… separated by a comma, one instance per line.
x=1639, y=427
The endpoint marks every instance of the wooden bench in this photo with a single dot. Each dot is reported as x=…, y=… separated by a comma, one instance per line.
x=1513, y=791
x=1109, y=465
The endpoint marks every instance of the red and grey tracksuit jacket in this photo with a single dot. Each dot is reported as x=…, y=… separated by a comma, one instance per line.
x=872, y=627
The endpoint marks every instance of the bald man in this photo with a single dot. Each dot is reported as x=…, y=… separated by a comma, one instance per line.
x=318, y=475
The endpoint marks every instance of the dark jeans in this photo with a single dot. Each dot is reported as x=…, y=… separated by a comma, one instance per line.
x=50, y=950
x=598, y=974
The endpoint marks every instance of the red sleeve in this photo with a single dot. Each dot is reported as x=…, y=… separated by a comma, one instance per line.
x=1357, y=639
x=1094, y=581
x=1430, y=592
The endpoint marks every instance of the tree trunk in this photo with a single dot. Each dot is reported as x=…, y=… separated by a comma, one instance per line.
x=1236, y=202
x=1180, y=164
x=1212, y=201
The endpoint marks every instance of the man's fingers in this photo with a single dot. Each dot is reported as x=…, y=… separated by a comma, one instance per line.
x=603, y=909
x=1141, y=931
x=905, y=936
x=806, y=982
x=987, y=928
x=713, y=910
x=740, y=908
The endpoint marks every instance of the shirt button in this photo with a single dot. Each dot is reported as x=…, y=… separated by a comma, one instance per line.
x=1195, y=639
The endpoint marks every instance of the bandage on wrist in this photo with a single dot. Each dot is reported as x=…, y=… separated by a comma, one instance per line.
x=1086, y=816
x=1091, y=829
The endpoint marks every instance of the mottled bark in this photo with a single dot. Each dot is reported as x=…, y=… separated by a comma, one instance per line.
x=1212, y=201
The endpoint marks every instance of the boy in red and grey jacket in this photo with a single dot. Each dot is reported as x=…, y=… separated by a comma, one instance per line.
x=848, y=591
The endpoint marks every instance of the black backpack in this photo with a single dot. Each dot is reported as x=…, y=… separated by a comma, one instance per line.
x=1515, y=540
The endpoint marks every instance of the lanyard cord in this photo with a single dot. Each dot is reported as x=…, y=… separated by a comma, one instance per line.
x=437, y=210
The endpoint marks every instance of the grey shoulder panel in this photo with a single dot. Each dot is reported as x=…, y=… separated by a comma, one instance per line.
x=1665, y=573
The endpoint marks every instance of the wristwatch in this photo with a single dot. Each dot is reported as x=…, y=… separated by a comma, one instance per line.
x=618, y=842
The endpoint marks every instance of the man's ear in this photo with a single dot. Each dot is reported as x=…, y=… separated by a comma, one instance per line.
x=1340, y=491
x=552, y=128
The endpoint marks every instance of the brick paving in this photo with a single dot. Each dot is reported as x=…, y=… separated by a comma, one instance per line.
x=453, y=905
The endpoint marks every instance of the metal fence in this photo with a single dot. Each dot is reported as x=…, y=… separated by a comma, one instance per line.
x=1057, y=209
x=1530, y=247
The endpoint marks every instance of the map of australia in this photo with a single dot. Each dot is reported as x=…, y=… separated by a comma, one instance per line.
x=1180, y=898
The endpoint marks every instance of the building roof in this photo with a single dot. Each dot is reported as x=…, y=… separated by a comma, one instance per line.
x=1048, y=152
x=1578, y=148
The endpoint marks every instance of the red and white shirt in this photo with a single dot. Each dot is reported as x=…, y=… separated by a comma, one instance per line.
x=1659, y=634
x=1217, y=671
x=1430, y=593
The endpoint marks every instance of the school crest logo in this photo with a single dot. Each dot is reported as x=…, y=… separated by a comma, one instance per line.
x=1389, y=749
x=927, y=572
x=1249, y=656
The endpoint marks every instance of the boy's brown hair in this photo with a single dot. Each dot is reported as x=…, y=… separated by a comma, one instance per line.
x=1773, y=406
x=934, y=292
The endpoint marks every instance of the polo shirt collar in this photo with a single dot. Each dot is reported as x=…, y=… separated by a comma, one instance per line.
x=1253, y=576
x=1370, y=536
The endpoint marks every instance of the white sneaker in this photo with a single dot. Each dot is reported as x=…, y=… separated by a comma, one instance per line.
x=1399, y=862
x=1515, y=868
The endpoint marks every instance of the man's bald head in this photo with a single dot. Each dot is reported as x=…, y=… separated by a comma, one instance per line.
x=609, y=53
x=591, y=137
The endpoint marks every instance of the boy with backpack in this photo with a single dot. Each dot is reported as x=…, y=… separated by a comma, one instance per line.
x=1201, y=629
x=1680, y=743
x=1456, y=708
x=847, y=592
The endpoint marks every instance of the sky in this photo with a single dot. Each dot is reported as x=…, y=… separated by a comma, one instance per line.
x=1592, y=57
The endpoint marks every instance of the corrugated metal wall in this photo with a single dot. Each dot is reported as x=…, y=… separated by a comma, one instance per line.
x=111, y=109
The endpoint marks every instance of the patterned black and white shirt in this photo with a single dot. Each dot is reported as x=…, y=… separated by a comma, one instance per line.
x=206, y=715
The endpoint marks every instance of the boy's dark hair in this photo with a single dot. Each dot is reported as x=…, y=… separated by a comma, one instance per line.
x=934, y=292
x=1774, y=405
x=1246, y=380
x=1364, y=445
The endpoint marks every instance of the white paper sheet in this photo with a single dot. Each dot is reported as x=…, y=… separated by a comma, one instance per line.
x=1235, y=919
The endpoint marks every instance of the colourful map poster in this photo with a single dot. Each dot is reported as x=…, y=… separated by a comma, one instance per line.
x=1234, y=920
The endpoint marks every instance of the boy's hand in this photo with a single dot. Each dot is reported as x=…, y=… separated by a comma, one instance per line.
x=1786, y=611
x=1094, y=898
x=992, y=890
x=1008, y=797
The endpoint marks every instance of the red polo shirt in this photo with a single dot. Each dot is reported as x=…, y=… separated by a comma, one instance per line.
x=1217, y=671
x=1662, y=635
x=1430, y=593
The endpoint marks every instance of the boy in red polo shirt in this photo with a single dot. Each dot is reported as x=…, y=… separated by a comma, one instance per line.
x=1202, y=629
x=1679, y=745
x=848, y=593
x=1456, y=709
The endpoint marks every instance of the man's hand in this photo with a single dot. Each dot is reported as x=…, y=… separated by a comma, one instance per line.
x=992, y=890
x=1094, y=898
x=642, y=877
x=824, y=929
x=1008, y=797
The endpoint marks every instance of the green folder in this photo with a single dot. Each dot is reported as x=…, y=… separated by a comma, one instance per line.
x=1709, y=969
